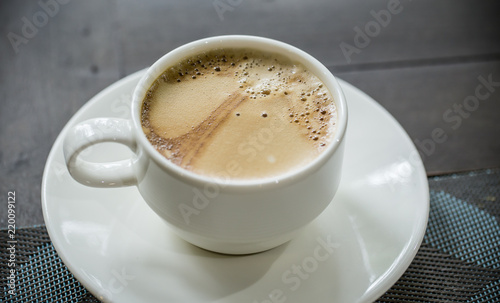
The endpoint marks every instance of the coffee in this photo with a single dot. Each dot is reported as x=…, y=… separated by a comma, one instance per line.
x=239, y=114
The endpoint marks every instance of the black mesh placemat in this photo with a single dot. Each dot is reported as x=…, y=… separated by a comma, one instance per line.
x=459, y=260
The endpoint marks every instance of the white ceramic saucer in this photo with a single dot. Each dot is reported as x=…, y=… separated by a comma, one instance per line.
x=353, y=252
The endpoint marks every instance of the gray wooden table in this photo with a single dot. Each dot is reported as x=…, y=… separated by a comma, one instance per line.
x=434, y=65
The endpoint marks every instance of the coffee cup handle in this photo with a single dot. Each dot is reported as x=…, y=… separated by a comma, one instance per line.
x=98, y=130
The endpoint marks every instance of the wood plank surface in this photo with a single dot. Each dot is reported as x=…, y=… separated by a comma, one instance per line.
x=431, y=99
x=419, y=59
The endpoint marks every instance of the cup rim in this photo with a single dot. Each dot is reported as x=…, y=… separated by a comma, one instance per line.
x=240, y=41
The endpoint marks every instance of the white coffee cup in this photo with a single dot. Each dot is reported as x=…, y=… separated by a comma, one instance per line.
x=226, y=216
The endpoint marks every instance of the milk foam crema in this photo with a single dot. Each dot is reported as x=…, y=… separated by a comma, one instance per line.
x=239, y=114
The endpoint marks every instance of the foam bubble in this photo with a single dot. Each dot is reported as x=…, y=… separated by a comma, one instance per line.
x=308, y=105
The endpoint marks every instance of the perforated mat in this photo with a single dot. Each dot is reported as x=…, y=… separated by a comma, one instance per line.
x=459, y=260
